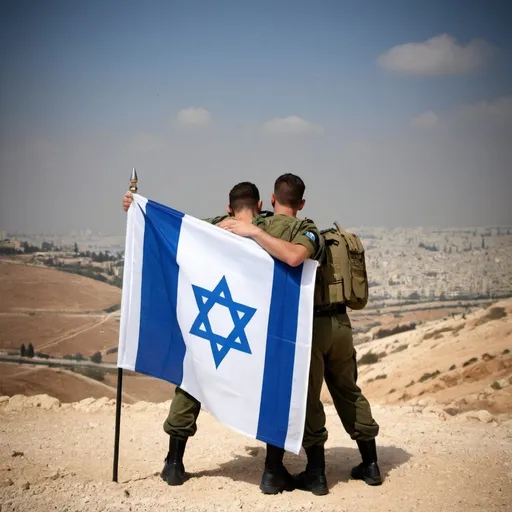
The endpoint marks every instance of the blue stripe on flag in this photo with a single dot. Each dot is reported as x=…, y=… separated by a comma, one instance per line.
x=161, y=347
x=280, y=354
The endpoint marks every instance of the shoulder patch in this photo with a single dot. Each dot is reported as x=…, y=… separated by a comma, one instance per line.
x=310, y=235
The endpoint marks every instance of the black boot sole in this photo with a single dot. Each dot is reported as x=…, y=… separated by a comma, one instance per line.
x=275, y=489
x=377, y=480
x=374, y=481
x=320, y=492
x=172, y=479
x=317, y=491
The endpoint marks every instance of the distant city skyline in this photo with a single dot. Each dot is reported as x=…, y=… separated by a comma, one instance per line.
x=392, y=115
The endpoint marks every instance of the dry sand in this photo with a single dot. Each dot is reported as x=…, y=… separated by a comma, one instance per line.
x=430, y=461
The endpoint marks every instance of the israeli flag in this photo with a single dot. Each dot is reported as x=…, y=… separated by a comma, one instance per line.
x=215, y=314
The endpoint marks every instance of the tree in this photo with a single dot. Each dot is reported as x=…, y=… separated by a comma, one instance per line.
x=96, y=357
x=76, y=248
x=23, y=350
x=28, y=249
x=30, y=350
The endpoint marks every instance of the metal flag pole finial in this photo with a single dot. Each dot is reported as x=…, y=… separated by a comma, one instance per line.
x=119, y=398
x=133, y=181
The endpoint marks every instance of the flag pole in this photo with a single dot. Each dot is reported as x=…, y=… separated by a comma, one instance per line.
x=119, y=398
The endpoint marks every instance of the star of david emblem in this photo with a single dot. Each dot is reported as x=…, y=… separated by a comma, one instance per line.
x=240, y=314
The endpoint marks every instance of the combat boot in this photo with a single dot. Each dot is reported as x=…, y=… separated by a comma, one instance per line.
x=368, y=470
x=313, y=479
x=174, y=471
x=275, y=478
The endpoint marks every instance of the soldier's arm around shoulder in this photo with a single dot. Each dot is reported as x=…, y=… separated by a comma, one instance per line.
x=308, y=236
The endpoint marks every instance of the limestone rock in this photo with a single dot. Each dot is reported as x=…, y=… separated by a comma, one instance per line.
x=16, y=403
x=485, y=416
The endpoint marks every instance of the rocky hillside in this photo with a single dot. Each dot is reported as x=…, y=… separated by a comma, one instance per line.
x=463, y=362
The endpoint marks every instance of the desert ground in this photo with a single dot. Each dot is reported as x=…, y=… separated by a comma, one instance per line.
x=59, y=457
x=441, y=392
x=58, y=312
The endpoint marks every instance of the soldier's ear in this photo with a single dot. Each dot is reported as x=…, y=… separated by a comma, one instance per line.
x=260, y=206
x=229, y=210
x=272, y=200
x=301, y=205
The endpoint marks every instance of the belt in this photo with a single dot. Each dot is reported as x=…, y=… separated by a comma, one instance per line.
x=337, y=309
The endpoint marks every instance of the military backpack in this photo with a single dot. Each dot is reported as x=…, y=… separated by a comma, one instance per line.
x=341, y=275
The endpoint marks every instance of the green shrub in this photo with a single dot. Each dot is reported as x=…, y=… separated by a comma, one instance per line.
x=382, y=333
x=97, y=357
x=494, y=313
x=368, y=358
x=428, y=376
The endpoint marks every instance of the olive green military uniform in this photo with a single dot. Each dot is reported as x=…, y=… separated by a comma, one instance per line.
x=333, y=356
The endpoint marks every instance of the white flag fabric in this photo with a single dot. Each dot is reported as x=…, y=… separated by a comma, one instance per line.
x=215, y=314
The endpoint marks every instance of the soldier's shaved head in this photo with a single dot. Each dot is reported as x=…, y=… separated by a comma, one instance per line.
x=289, y=190
x=244, y=195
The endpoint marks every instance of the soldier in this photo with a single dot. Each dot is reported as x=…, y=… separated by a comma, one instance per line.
x=181, y=422
x=292, y=241
x=333, y=355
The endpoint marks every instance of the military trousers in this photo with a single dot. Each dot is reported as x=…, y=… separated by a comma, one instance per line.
x=181, y=422
x=333, y=357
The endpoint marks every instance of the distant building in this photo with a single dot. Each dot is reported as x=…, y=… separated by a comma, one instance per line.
x=10, y=243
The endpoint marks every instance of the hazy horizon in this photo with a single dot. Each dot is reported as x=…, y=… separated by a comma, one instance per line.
x=393, y=116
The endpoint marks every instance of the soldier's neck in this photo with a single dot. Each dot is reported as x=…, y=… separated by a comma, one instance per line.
x=279, y=209
x=245, y=215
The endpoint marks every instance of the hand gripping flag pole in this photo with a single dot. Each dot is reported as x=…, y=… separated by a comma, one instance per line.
x=119, y=398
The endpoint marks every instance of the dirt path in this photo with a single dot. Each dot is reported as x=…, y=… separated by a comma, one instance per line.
x=71, y=334
x=429, y=463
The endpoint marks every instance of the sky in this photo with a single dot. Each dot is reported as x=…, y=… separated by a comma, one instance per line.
x=394, y=113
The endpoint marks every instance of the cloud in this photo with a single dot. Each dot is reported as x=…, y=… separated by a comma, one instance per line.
x=194, y=117
x=428, y=118
x=440, y=55
x=291, y=125
x=499, y=109
x=496, y=113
